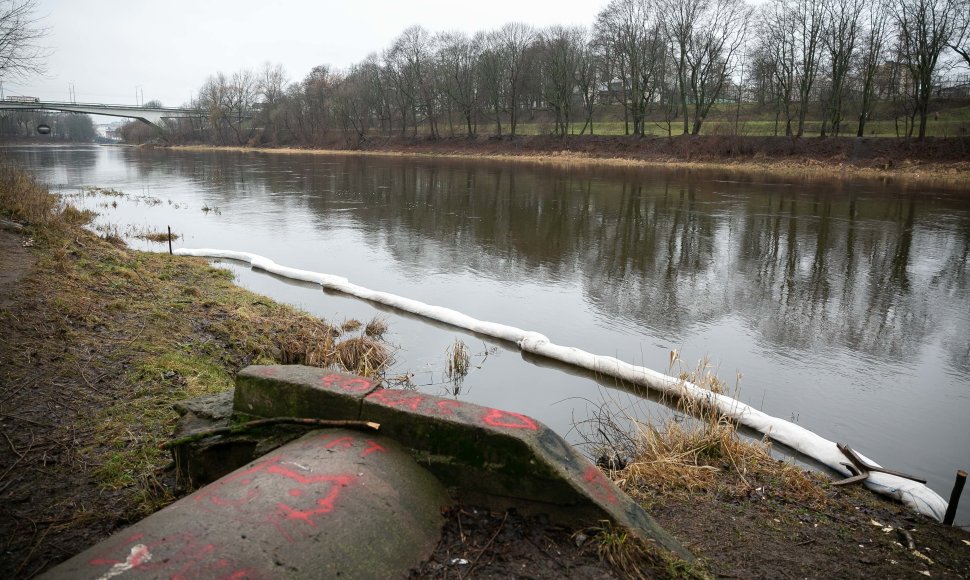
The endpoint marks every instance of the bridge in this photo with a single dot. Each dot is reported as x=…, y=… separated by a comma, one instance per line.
x=150, y=115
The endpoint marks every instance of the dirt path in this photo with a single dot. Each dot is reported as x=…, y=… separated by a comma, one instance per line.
x=15, y=262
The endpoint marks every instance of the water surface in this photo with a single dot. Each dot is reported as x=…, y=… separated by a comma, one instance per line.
x=845, y=305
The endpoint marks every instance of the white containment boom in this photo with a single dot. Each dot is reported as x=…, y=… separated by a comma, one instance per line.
x=914, y=494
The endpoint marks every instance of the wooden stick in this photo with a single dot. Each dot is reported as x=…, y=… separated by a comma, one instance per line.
x=169, y=239
x=951, y=508
x=241, y=427
x=862, y=466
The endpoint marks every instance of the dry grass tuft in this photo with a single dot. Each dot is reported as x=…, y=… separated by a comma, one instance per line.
x=157, y=237
x=23, y=199
x=634, y=558
x=459, y=361
x=698, y=450
x=376, y=328
x=363, y=356
x=350, y=325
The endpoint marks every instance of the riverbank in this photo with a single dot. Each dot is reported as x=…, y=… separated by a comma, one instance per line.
x=100, y=340
x=98, y=343
x=934, y=162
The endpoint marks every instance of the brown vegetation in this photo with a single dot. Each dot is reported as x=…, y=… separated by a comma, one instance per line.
x=937, y=162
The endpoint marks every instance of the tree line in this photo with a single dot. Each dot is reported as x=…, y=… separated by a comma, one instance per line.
x=63, y=126
x=649, y=62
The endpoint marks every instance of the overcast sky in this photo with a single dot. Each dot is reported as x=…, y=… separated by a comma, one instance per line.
x=110, y=49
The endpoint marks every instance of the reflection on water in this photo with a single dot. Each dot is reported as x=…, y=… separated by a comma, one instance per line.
x=846, y=305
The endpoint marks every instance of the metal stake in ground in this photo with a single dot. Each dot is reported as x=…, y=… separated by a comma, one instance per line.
x=169, y=239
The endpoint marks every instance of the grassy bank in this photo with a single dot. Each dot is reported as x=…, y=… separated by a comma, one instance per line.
x=934, y=162
x=98, y=343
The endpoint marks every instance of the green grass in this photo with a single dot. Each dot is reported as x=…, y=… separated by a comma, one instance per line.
x=946, y=122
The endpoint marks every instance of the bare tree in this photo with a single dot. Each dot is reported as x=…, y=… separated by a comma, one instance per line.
x=514, y=41
x=561, y=51
x=924, y=29
x=458, y=57
x=961, y=42
x=631, y=39
x=20, y=34
x=587, y=74
x=707, y=36
x=873, y=49
x=492, y=73
x=410, y=61
x=840, y=36
x=791, y=33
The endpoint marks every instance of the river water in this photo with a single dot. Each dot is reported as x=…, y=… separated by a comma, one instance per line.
x=845, y=306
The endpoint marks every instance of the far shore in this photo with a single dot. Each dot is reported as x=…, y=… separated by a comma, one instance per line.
x=943, y=163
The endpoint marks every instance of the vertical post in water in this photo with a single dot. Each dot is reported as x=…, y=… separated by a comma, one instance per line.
x=951, y=508
x=169, y=239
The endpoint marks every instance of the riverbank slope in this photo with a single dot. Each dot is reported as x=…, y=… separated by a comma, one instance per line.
x=933, y=162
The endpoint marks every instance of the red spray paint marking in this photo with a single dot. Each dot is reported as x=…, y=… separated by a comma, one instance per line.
x=347, y=384
x=182, y=553
x=415, y=402
x=345, y=442
x=509, y=420
x=341, y=442
x=599, y=486
x=268, y=372
x=393, y=398
x=234, y=495
x=373, y=447
x=445, y=407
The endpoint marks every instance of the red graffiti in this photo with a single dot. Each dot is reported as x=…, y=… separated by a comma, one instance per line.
x=445, y=407
x=499, y=418
x=347, y=384
x=341, y=442
x=394, y=398
x=310, y=496
x=181, y=555
x=599, y=486
x=268, y=371
x=333, y=442
x=373, y=447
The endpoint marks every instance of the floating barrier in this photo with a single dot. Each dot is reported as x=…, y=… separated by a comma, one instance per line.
x=914, y=494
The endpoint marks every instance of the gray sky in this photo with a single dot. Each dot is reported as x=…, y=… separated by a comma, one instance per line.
x=109, y=49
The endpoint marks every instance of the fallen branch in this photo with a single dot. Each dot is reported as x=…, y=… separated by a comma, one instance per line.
x=242, y=427
x=860, y=469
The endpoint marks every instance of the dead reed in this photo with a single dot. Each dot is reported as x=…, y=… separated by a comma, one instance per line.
x=696, y=450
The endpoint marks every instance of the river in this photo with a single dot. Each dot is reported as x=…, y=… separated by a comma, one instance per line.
x=845, y=306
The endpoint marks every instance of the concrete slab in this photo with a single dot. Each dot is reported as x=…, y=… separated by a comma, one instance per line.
x=488, y=456
x=295, y=390
x=334, y=503
x=505, y=459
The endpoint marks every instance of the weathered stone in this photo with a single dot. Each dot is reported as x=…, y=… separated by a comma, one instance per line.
x=334, y=503
x=507, y=459
x=298, y=391
x=498, y=458
x=217, y=407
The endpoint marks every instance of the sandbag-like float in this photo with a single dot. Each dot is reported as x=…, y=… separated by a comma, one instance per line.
x=914, y=494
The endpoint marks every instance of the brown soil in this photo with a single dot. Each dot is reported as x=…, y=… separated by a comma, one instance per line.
x=97, y=344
